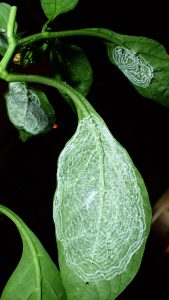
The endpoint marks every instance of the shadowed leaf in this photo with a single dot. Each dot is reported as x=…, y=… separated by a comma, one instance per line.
x=36, y=277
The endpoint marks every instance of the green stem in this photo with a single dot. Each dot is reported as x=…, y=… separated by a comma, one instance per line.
x=11, y=40
x=82, y=105
x=45, y=26
x=102, y=33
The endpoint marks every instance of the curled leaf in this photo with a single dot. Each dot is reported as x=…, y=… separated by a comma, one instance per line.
x=36, y=276
x=29, y=110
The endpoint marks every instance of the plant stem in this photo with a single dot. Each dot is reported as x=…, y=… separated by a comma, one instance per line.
x=102, y=33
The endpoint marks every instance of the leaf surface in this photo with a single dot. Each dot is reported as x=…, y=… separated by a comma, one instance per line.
x=4, y=17
x=72, y=66
x=36, y=277
x=29, y=110
x=53, y=8
x=101, y=211
x=144, y=62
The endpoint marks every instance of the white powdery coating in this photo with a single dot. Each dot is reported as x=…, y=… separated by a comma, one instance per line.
x=134, y=66
x=24, y=108
x=98, y=207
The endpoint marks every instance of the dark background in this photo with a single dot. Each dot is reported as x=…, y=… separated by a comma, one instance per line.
x=28, y=170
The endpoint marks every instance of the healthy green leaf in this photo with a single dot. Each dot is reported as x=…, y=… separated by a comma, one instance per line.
x=29, y=110
x=4, y=17
x=101, y=211
x=53, y=8
x=72, y=65
x=36, y=277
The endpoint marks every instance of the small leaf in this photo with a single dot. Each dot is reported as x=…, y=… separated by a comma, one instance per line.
x=36, y=276
x=101, y=211
x=72, y=65
x=53, y=8
x=4, y=17
x=29, y=110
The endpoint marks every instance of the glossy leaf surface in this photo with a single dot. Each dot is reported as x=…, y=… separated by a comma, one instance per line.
x=36, y=277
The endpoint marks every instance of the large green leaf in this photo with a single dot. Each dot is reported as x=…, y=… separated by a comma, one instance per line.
x=29, y=110
x=53, y=8
x=4, y=17
x=36, y=277
x=101, y=211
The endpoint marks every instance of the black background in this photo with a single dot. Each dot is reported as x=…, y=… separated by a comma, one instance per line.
x=28, y=170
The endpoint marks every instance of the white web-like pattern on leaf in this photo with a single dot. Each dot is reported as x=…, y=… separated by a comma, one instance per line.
x=24, y=108
x=98, y=207
x=134, y=66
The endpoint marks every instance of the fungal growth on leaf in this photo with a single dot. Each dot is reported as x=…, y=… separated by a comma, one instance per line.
x=24, y=108
x=98, y=205
x=134, y=66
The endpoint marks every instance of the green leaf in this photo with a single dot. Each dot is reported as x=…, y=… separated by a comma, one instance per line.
x=142, y=60
x=53, y=8
x=71, y=65
x=101, y=211
x=36, y=277
x=145, y=63
x=29, y=110
x=4, y=17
